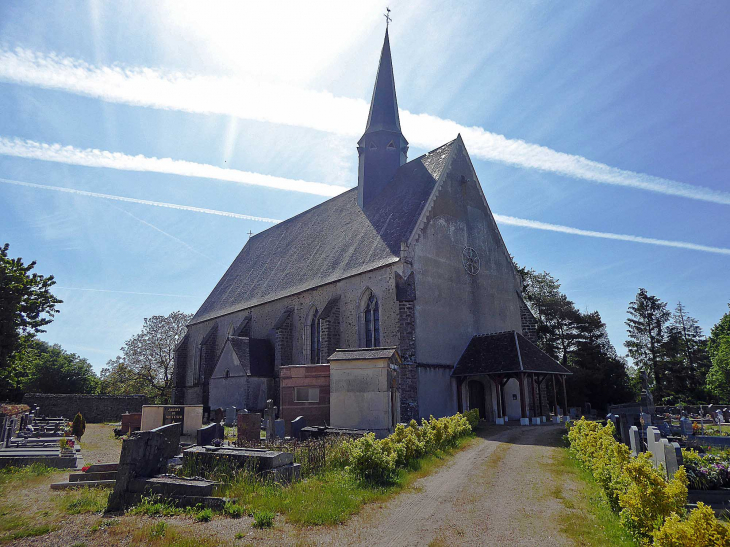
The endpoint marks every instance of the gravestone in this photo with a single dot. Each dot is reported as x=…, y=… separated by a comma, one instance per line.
x=269, y=419
x=279, y=429
x=205, y=435
x=655, y=446
x=685, y=426
x=635, y=441
x=249, y=426
x=664, y=428
x=296, y=427
x=672, y=458
x=719, y=417
x=230, y=416
x=144, y=454
x=646, y=419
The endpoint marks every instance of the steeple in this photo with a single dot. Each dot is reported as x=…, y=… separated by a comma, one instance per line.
x=382, y=148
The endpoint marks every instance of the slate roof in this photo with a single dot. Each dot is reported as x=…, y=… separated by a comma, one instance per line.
x=255, y=355
x=363, y=353
x=504, y=353
x=331, y=241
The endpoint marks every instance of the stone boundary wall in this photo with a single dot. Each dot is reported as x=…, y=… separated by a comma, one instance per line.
x=94, y=408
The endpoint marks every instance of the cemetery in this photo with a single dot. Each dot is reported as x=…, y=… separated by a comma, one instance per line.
x=27, y=437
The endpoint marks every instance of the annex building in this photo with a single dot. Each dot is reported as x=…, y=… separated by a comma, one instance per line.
x=402, y=285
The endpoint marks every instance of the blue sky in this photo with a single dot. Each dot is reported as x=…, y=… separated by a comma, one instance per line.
x=606, y=117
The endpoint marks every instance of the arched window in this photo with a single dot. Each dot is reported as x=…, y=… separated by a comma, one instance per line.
x=315, y=334
x=372, y=323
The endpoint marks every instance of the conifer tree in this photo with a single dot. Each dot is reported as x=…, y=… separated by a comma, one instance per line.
x=648, y=318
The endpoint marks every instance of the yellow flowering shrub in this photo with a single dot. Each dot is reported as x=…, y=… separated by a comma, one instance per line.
x=650, y=498
x=377, y=460
x=700, y=529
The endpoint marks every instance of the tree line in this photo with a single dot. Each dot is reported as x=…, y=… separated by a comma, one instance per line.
x=683, y=365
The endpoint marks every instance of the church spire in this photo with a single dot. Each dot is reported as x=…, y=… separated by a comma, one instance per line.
x=384, y=104
x=382, y=148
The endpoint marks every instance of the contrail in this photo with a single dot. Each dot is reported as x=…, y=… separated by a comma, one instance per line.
x=115, y=160
x=163, y=232
x=140, y=201
x=124, y=292
x=513, y=221
x=246, y=99
x=502, y=219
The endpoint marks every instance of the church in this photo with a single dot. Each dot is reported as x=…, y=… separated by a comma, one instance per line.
x=408, y=270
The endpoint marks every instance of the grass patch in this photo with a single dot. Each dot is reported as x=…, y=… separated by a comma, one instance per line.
x=154, y=506
x=29, y=532
x=84, y=500
x=204, y=515
x=332, y=496
x=263, y=519
x=602, y=527
x=25, y=474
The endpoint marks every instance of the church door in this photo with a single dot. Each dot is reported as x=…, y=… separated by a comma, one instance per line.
x=476, y=398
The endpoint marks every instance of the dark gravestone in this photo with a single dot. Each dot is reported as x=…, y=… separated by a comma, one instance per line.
x=172, y=433
x=279, y=429
x=249, y=427
x=144, y=454
x=296, y=427
x=205, y=435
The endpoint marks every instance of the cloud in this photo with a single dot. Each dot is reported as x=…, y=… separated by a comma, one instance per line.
x=115, y=160
x=534, y=224
x=140, y=201
x=284, y=104
x=501, y=219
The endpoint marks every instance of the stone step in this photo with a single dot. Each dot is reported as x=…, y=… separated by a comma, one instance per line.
x=102, y=467
x=172, y=486
x=79, y=484
x=91, y=476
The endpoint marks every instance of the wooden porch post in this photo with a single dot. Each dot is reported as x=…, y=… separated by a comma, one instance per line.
x=503, y=383
x=459, y=398
x=565, y=395
x=555, y=395
x=534, y=398
x=539, y=392
x=523, y=403
x=495, y=381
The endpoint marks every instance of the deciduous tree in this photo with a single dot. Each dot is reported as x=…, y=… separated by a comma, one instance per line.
x=146, y=363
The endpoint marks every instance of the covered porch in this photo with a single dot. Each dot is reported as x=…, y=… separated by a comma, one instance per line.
x=507, y=377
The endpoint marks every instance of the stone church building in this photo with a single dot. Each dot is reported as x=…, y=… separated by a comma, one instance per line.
x=410, y=259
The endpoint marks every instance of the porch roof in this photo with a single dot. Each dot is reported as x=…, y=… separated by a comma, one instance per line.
x=505, y=353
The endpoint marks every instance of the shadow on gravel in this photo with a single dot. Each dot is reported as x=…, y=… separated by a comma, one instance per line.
x=538, y=435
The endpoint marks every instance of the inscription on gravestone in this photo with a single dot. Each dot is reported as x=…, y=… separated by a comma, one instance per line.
x=173, y=414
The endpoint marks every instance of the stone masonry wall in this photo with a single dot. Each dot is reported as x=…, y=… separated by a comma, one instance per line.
x=408, y=373
x=94, y=408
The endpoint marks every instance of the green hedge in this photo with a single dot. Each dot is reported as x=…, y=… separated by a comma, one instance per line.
x=649, y=506
x=378, y=460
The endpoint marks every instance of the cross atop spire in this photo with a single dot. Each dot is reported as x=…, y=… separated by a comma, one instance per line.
x=387, y=18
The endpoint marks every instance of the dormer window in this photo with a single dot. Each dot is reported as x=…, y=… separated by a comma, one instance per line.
x=372, y=146
x=391, y=145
